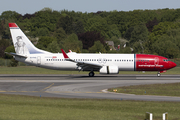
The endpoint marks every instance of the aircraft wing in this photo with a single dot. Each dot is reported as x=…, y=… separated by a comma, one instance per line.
x=14, y=54
x=81, y=64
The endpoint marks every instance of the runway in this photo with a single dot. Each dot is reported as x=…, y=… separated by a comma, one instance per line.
x=82, y=86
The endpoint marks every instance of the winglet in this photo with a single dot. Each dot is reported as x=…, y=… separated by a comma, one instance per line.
x=64, y=54
x=70, y=51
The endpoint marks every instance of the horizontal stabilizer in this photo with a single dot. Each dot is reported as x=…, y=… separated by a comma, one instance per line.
x=14, y=54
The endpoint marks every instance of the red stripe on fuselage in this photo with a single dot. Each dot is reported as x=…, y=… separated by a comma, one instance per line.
x=151, y=63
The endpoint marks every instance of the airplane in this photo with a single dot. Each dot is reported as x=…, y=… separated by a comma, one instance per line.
x=27, y=53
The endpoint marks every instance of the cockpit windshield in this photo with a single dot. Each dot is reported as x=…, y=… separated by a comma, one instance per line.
x=165, y=60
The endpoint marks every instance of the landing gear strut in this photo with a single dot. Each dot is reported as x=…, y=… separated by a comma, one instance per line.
x=158, y=74
x=91, y=74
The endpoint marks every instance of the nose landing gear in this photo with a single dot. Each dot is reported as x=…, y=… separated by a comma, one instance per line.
x=158, y=74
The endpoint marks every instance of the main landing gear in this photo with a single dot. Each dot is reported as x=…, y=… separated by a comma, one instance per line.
x=91, y=74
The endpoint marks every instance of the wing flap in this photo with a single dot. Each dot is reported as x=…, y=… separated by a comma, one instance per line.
x=82, y=64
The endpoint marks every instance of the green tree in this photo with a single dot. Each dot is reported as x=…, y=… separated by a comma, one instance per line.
x=128, y=32
x=66, y=23
x=139, y=32
x=88, y=39
x=97, y=24
x=60, y=35
x=138, y=47
x=42, y=32
x=162, y=29
x=113, y=31
x=44, y=41
x=97, y=47
x=9, y=49
x=6, y=15
x=72, y=43
x=78, y=27
x=13, y=62
x=125, y=50
x=165, y=47
x=3, y=45
x=54, y=47
x=116, y=41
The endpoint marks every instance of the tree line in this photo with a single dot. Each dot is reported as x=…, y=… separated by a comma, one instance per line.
x=138, y=31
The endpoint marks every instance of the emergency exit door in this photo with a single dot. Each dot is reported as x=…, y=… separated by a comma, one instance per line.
x=38, y=60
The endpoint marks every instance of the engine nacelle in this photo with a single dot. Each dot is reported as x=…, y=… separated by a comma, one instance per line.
x=109, y=70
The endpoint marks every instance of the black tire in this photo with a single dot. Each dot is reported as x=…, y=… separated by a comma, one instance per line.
x=158, y=74
x=91, y=74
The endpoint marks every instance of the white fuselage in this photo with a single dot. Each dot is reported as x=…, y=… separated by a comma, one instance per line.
x=125, y=62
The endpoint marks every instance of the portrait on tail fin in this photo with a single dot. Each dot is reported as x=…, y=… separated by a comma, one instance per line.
x=20, y=46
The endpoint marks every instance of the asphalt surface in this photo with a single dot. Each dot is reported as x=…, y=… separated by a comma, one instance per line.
x=81, y=86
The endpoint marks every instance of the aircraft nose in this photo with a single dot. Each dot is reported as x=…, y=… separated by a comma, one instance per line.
x=173, y=64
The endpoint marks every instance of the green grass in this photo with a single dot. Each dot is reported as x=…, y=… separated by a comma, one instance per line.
x=38, y=70
x=14, y=107
x=171, y=89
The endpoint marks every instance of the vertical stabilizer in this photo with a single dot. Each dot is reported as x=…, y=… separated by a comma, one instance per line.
x=21, y=43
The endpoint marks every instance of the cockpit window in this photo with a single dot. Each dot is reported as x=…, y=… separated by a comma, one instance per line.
x=165, y=60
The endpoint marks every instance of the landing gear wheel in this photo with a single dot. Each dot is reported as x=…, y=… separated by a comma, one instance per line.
x=91, y=74
x=158, y=74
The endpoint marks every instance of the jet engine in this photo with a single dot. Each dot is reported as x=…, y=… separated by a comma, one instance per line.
x=109, y=70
